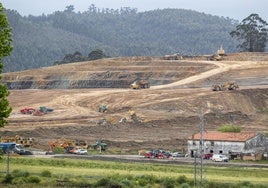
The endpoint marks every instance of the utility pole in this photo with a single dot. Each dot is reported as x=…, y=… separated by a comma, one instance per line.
x=201, y=147
x=199, y=153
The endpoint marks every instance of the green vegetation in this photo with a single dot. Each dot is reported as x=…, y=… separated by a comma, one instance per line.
x=78, y=57
x=229, y=128
x=253, y=33
x=39, y=41
x=47, y=172
x=5, y=50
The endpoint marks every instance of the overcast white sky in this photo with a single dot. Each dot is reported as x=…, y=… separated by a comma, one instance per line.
x=235, y=9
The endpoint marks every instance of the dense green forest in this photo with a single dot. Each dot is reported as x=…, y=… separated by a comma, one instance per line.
x=40, y=41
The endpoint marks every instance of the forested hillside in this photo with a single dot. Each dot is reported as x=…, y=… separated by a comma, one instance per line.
x=41, y=40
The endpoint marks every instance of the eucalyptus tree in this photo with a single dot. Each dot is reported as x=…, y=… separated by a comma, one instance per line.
x=253, y=34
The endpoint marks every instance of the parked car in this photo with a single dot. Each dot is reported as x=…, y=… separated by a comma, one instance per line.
x=219, y=158
x=157, y=154
x=81, y=152
x=178, y=154
x=207, y=156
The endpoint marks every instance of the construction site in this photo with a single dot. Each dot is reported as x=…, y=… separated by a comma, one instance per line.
x=136, y=103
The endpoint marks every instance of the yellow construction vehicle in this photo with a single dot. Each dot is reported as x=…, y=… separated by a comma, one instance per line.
x=218, y=56
x=25, y=141
x=221, y=51
x=134, y=117
x=141, y=84
x=225, y=86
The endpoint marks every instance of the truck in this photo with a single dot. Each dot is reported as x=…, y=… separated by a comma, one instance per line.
x=141, y=84
x=7, y=147
x=12, y=147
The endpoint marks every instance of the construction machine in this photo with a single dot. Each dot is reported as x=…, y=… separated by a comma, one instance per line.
x=219, y=55
x=140, y=84
x=25, y=141
x=27, y=110
x=134, y=117
x=231, y=86
x=225, y=86
x=102, y=108
x=221, y=51
x=67, y=144
x=100, y=145
x=215, y=57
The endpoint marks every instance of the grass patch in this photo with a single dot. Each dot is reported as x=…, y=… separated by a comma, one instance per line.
x=48, y=172
x=229, y=128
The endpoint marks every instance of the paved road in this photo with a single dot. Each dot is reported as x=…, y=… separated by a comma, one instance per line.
x=138, y=158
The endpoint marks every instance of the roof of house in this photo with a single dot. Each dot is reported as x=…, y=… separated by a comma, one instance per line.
x=224, y=136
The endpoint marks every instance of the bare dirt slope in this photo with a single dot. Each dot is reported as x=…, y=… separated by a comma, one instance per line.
x=169, y=111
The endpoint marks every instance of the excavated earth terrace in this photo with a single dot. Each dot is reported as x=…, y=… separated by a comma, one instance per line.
x=168, y=113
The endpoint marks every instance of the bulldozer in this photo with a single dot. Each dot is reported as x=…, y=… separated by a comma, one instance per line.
x=140, y=84
x=225, y=86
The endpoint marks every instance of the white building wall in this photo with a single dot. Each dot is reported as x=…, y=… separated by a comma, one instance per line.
x=216, y=147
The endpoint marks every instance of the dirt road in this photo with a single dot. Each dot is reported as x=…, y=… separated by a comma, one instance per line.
x=169, y=113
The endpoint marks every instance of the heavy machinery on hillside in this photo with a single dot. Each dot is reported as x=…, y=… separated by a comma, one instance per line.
x=36, y=112
x=134, y=117
x=140, y=84
x=24, y=141
x=225, y=86
x=27, y=110
x=100, y=145
x=68, y=145
x=219, y=55
x=102, y=108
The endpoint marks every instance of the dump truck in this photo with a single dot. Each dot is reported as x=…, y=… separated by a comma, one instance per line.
x=140, y=84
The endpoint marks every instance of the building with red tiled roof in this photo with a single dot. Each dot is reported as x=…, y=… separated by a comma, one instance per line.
x=227, y=143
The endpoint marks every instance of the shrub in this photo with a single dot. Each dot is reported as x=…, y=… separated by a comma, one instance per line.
x=102, y=182
x=46, y=173
x=169, y=183
x=106, y=182
x=59, y=150
x=182, y=179
x=184, y=185
x=20, y=173
x=8, y=179
x=126, y=182
x=229, y=128
x=33, y=179
x=19, y=180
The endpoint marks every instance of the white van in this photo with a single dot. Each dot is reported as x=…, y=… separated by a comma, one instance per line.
x=219, y=158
